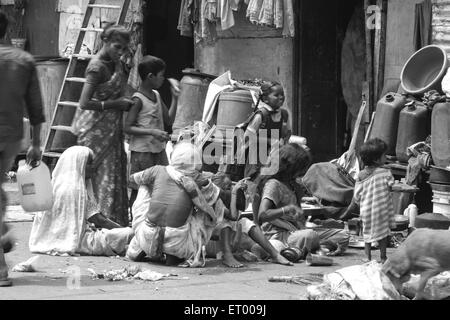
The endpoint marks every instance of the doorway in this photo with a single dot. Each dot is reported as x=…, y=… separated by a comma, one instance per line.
x=322, y=113
x=163, y=39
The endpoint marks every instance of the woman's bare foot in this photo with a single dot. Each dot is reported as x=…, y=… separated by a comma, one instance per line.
x=279, y=259
x=230, y=261
x=365, y=260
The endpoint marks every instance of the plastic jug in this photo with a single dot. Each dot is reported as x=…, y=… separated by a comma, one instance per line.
x=385, y=124
x=440, y=134
x=35, y=187
x=411, y=212
x=413, y=127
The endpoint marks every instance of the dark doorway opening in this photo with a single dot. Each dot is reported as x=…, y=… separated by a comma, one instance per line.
x=322, y=113
x=162, y=39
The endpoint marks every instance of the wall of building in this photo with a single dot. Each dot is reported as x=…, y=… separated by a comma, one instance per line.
x=250, y=52
x=40, y=25
x=71, y=18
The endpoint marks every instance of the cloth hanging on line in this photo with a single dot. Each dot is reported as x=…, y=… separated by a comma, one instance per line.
x=422, y=25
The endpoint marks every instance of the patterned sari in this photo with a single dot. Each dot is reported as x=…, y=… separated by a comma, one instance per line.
x=101, y=131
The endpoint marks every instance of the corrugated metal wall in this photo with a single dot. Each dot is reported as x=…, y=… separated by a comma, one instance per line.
x=441, y=23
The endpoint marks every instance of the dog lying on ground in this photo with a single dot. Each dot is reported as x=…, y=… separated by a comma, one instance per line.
x=425, y=252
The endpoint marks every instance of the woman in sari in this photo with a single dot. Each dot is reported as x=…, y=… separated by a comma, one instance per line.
x=278, y=206
x=98, y=123
x=66, y=229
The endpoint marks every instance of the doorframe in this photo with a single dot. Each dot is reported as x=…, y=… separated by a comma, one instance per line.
x=297, y=78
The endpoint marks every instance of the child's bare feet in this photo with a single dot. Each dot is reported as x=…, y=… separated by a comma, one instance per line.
x=365, y=260
x=279, y=259
x=230, y=261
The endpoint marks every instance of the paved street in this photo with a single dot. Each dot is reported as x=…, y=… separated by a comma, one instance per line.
x=52, y=279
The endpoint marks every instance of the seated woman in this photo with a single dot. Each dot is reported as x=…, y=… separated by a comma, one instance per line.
x=279, y=196
x=237, y=234
x=179, y=219
x=65, y=228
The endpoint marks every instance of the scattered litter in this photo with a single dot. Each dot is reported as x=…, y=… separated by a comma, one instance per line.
x=133, y=272
x=360, y=282
x=26, y=266
x=308, y=279
x=437, y=288
x=54, y=277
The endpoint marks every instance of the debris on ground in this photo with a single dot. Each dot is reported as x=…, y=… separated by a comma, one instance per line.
x=360, y=282
x=305, y=280
x=437, y=288
x=27, y=266
x=133, y=272
x=396, y=239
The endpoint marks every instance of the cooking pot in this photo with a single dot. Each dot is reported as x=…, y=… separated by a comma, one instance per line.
x=401, y=222
x=439, y=175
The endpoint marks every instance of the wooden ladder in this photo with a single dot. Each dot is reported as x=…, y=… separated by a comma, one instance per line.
x=60, y=136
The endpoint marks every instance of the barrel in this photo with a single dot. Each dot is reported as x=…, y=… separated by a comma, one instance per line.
x=50, y=73
x=234, y=108
x=440, y=134
x=425, y=70
x=194, y=87
x=413, y=127
x=386, y=120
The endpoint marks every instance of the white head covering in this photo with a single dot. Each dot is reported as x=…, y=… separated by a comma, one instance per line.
x=185, y=160
x=60, y=229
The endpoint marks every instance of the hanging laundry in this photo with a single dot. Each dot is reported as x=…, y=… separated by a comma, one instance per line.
x=278, y=14
x=134, y=79
x=288, y=20
x=211, y=10
x=253, y=10
x=185, y=18
x=266, y=15
x=204, y=29
x=225, y=12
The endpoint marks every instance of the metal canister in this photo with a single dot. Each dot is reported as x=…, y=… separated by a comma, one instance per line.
x=194, y=87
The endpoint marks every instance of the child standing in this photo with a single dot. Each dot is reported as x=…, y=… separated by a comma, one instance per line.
x=149, y=121
x=269, y=116
x=373, y=194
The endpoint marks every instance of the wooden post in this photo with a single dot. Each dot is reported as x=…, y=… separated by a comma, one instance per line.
x=382, y=48
x=369, y=57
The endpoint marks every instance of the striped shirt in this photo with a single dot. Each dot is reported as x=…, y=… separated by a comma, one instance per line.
x=372, y=193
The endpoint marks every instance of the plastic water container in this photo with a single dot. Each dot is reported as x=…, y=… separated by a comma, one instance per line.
x=411, y=212
x=385, y=124
x=413, y=127
x=440, y=134
x=35, y=187
x=234, y=108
